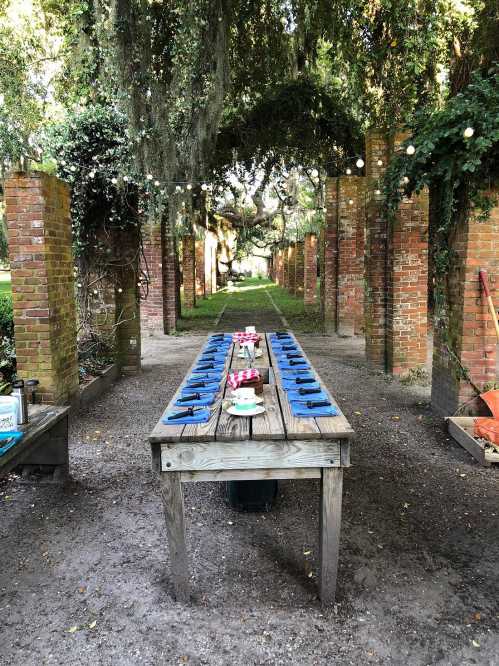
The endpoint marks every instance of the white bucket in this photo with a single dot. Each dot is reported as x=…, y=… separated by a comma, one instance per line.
x=9, y=413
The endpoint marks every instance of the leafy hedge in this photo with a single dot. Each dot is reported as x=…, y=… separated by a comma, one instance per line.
x=7, y=346
x=6, y=317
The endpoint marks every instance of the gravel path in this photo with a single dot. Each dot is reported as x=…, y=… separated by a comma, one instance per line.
x=84, y=569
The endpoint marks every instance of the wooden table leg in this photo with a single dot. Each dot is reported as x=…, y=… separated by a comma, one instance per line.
x=173, y=506
x=329, y=531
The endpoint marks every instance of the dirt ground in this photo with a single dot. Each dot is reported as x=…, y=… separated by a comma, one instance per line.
x=84, y=571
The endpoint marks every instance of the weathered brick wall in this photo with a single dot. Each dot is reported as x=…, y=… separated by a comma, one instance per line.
x=407, y=287
x=322, y=269
x=280, y=268
x=40, y=248
x=151, y=307
x=377, y=150
x=310, y=250
x=200, y=269
x=299, y=268
x=469, y=333
x=189, y=270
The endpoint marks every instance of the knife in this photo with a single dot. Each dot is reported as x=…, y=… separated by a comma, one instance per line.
x=304, y=380
x=197, y=385
x=187, y=398
x=308, y=391
x=190, y=411
x=209, y=366
x=294, y=355
x=208, y=358
x=318, y=403
x=291, y=362
x=287, y=347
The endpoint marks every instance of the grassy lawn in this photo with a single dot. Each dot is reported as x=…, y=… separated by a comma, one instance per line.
x=203, y=316
x=300, y=319
x=5, y=286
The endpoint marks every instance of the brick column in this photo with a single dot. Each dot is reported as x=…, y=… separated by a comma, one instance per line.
x=377, y=153
x=170, y=280
x=310, y=269
x=200, y=269
x=343, y=254
x=285, y=267
x=128, y=340
x=291, y=268
x=280, y=268
x=299, y=268
x=40, y=248
x=407, y=287
x=189, y=270
x=151, y=308
x=464, y=331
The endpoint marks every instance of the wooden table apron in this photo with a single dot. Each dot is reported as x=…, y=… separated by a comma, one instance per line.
x=274, y=445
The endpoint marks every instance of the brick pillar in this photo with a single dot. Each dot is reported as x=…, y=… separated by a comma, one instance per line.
x=322, y=262
x=343, y=254
x=464, y=330
x=279, y=278
x=151, y=308
x=200, y=269
x=285, y=268
x=207, y=266
x=310, y=269
x=407, y=287
x=189, y=270
x=128, y=340
x=299, y=268
x=170, y=280
x=329, y=277
x=377, y=152
x=40, y=248
x=291, y=268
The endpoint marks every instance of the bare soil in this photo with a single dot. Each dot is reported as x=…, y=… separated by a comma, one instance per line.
x=84, y=572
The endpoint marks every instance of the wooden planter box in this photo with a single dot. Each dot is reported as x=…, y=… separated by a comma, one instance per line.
x=462, y=428
x=97, y=386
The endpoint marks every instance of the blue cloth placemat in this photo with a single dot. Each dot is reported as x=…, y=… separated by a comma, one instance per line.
x=216, y=367
x=8, y=440
x=209, y=388
x=227, y=339
x=293, y=395
x=205, y=376
x=284, y=365
x=201, y=416
x=289, y=384
x=205, y=399
x=293, y=374
x=301, y=410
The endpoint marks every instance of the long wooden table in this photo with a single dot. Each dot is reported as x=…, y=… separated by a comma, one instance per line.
x=273, y=445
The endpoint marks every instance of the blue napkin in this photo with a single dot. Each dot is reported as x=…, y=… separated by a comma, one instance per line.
x=204, y=400
x=293, y=374
x=300, y=409
x=8, y=440
x=209, y=388
x=216, y=366
x=291, y=385
x=279, y=349
x=201, y=416
x=282, y=356
x=222, y=350
x=274, y=339
x=284, y=365
x=293, y=395
x=227, y=339
x=205, y=376
x=218, y=358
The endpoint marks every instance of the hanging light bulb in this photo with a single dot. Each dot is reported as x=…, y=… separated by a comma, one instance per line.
x=120, y=290
x=149, y=176
x=178, y=188
x=157, y=183
x=468, y=132
x=350, y=202
x=314, y=173
x=377, y=192
x=379, y=162
x=204, y=187
x=410, y=150
x=348, y=172
x=359, y=163
x=405, y=180
x=189, y=187
x=114, y=181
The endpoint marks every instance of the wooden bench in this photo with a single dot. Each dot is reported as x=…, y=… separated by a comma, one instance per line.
x=273, y=445
x=44, y=444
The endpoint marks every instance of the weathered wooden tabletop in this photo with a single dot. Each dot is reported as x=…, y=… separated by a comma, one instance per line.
x=277, y=423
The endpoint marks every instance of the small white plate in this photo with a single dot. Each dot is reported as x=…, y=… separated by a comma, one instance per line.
x=248, y=412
